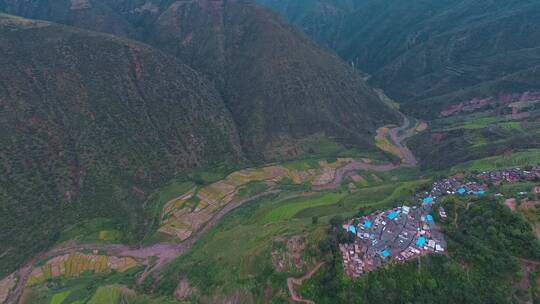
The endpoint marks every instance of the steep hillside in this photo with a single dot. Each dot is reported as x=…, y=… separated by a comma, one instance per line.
x=89, y=126
x=279, y=86
x=430, y=52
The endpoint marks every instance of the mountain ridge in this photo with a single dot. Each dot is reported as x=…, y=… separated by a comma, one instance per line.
x=420, y=52
x=219, y=38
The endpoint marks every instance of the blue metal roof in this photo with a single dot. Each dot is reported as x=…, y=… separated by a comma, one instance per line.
x=429, y=217
x=428, y=200
x=368, y=224
x=479, y=192
x=393, y=215
x=352, y=229
x=421, y=241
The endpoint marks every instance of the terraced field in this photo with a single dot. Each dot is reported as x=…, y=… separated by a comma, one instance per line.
x=189, y=212
x=74, y=264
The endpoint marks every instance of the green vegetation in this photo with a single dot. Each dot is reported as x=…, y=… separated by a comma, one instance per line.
x=116, y=288
x=93, y=231
x=102, y=140
x=516, y=159
x=427, y=71
x=222, y=263
x=110, y=235
x=114, y=128
x=176, y=188
x=487, y=122
x=478, y=123
x=252, y=189
x=486, y=243
x=60, y=297
x=291, y=207
x=106, y=294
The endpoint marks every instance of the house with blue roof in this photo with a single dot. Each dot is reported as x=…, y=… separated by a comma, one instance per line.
x=461, y=191
x=428, y=200
x=480, y=192
x=421, y=241
x=352, y=229
x=393, y=215
x=367, y=224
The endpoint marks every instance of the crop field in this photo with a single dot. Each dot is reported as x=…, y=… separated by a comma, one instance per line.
x=383, y=142
x=73, y=265
x=182, y=215
x=522, y=158
x=106, y=294
x=60, y=297
x=95, y=288
x=290, y=208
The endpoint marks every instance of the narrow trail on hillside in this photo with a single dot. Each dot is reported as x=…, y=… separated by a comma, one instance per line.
x=293, y=282
x=168, y=252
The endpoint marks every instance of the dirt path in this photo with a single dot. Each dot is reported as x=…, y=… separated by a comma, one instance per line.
x=293, y=282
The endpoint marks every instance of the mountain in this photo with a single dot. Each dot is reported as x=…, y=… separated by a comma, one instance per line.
x=279, y=86
x=98, y=113
x=424, y=52
x=90, y=124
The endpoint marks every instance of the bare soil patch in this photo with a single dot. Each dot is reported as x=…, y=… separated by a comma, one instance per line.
x=511, y=203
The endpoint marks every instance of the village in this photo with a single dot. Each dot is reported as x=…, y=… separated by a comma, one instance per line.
x=405, y=232
x=398, y=234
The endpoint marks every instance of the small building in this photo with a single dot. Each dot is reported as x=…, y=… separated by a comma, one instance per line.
x=428, y=200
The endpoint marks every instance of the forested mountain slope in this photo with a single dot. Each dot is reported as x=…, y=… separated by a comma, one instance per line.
x=90, y=124
x=279, y=86
x=429, y=52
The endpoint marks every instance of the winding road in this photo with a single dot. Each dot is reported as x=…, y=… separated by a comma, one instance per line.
x=168, y=252
x=293, y=282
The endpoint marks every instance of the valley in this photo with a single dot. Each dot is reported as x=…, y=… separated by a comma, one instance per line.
x=269, y=151
x=188, y=223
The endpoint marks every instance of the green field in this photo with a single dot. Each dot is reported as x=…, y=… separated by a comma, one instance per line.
x=106, y=294
x=524, y=158
x=60, y=297
x=288, y=209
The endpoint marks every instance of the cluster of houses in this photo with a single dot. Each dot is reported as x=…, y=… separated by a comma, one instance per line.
x=404, y=233
x=399, y=234
x=509, y=175
x=450, y=186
